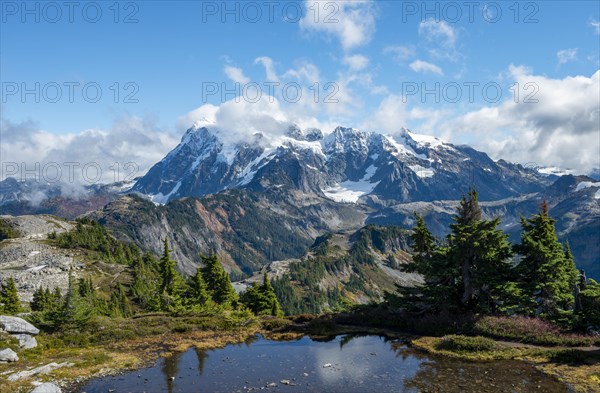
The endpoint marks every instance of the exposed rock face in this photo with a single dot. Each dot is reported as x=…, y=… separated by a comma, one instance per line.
x=17, y=326
x=31, y=261
x=8, y=355
x=47, y=387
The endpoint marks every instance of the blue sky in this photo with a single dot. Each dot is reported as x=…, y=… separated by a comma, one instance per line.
x=368, y=55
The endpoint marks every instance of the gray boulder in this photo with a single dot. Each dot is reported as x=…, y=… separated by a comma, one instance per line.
x=26, y=341
x=39, y=370
x=8, y=355
x=16, y=325
x=47, y=387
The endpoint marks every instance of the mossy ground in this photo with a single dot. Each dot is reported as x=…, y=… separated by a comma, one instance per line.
x=579, y=368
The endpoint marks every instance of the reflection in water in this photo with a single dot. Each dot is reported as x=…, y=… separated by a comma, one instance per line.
x=342, y=364
x=170, y=369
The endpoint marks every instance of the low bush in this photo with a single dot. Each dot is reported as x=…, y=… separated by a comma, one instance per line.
x=458, y=343
x=528, y=330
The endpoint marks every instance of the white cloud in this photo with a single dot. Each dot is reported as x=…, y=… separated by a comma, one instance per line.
x=561, y=129
x=566, y=55
x=351, y=22
x=425, y=67
x=236, y=74
x=356, y=62
x=238, y=121
x=596, y=25
x=389, y=117
x=131, y=139
x=304, y=71
x=400, y=52
x=438, y=31
x=267, y=62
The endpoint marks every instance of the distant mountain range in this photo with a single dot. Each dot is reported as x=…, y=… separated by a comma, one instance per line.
x=347, y=165
x=268, y=199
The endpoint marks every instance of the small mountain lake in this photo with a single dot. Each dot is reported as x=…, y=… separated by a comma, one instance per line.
x=345, y=363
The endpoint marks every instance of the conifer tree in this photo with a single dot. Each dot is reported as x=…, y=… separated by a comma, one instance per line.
x=120, y=306
x=146, y=284
x=75, y=309
x=171, y=281
x=261, y=299
x=547, y=271
x=199, y=293
x=167, y=270
x=9, y=298
x=482, y=255
x=218, y=282
x=40, y=299
x=438, y=291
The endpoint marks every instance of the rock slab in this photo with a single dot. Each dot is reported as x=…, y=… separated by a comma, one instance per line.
x=39, y=370
x=16, y=325
x=26, y=341
x=8, y=355
x=47, y=387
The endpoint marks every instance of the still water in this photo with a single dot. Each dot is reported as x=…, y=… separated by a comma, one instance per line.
x=342, y=364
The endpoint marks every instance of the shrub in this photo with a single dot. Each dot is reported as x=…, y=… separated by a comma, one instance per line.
x=457, y=343
x=528, y=330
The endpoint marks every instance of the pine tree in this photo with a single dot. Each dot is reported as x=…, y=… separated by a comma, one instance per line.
x=482, y=254
x=269, y=293
x=9, y=298
x=171, y=281
x=146, y=283
x=120, y=307
x=261, y=299
x=167, y=270
x=199, y=296
x=75, y=309
x=40, y=299
x=547, y=272
x=218, y=282
x=438, y=291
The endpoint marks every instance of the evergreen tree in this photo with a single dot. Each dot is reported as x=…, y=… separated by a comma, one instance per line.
x=76, y=310
x=9, y=298
x=39, y=299
x=199, y=296
x=261, y=299
x=469, y=273
x=547, y=272
x=218, y=282
x=588, y=315
x=482, y=254
x=146, y=283
x=120, y=307
x=438, y=291
x=171, y=281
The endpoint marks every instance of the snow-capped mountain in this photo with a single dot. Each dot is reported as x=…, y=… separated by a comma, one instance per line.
x=347, y=165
